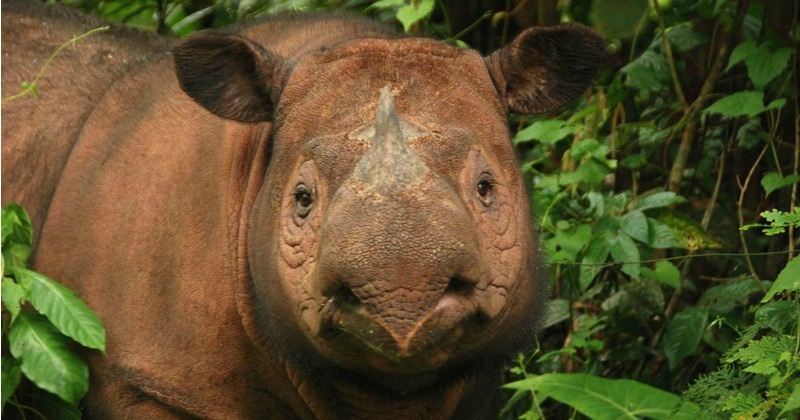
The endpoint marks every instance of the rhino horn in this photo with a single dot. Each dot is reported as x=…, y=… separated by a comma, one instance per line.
x=390, y=164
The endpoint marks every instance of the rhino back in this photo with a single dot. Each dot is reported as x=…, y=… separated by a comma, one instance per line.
x=295, y=35
x=40, y=130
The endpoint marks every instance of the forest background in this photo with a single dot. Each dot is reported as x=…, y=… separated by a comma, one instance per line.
x=666, y=200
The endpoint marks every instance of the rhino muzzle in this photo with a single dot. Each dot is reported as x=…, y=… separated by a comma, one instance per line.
x=400, y=269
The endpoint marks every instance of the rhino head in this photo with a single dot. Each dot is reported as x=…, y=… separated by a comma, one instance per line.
x=391, y=238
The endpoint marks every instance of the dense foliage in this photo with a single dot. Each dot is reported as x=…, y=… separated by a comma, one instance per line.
x=666, y=198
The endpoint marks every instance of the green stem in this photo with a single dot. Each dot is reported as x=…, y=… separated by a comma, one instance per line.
x=32, y=86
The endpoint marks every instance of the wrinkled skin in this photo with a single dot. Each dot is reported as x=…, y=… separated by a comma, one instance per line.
x=300, y=218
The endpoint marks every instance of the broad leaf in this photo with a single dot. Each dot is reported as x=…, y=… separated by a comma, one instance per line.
x=408, y=15
x=12, y=373
x=634, y=223
x=46, y=359
x=658, y=200
x=647, y=72
x=65, y=310
x=661, y=235
x=793, y=402
x=745, y=103
x=665, y=272
x=545, y=131
x=595, y=256
x=780, y=315
x=600, y=398
x=13, y=296
x=788, y=280
x=16, y=225
x=772, y=181
x=683, y=334
x=624, y=251
x=763, y=64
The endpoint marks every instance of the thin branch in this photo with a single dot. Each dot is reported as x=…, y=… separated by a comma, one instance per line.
x=693, y=113
x=31, y=87
x=676, y=83
x=739, y=212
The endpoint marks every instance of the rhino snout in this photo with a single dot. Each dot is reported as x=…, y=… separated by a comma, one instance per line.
x=400, y=271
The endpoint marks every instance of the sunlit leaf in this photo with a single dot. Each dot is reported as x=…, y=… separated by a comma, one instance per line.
x=545, y=131
x=601, y=399
x=65, y=310
x=46, y=359
x=788, y=280
x=409, y=14
x=13, y=296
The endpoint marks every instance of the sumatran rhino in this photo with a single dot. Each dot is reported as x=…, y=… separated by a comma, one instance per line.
x=301, y=217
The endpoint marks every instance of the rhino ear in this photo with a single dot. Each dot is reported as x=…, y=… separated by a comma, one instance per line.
x=229, y=75
x=545, y=68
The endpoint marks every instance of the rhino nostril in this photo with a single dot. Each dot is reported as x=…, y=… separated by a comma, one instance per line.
x=459, y=286
x=345, y=296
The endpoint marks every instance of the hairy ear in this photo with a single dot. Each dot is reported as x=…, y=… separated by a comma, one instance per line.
x=545, y=68
x=229, y=75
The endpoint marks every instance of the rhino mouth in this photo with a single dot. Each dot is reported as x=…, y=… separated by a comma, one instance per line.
x=363, y=339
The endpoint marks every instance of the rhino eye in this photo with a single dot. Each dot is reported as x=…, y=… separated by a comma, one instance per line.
x=485, y=191
x=303, y=200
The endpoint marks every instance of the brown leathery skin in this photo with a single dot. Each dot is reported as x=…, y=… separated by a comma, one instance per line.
x=303, y=217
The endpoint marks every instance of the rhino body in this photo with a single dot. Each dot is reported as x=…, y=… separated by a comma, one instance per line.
x=301, y=217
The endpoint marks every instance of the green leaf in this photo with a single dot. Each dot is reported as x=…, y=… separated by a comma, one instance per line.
x=634, y=223
x=65, y=310
x=17, y=233
x=557, y=312
x=595, y=255
x=12, y=373
x=683, y=37
x=617, y=18
x=661, y=235
x=780, y=315
x=745, y=103
x=566, y=244
x=793, y=402
x=744, y=49
x=788, y=280
x=772, y=181
x=386, y=4
x=722, y=299
x=688, y=233
x=408, y=15
x=763, y=64
x=600, y=398
x=683, y=334
x=545, y=131
x=658, y=200
x=46, y=358
x=665, y=272
x=624, y=251
x=13, y=296
x=647, y=72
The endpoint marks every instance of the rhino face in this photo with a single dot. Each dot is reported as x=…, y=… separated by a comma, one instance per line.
x=392, y=235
